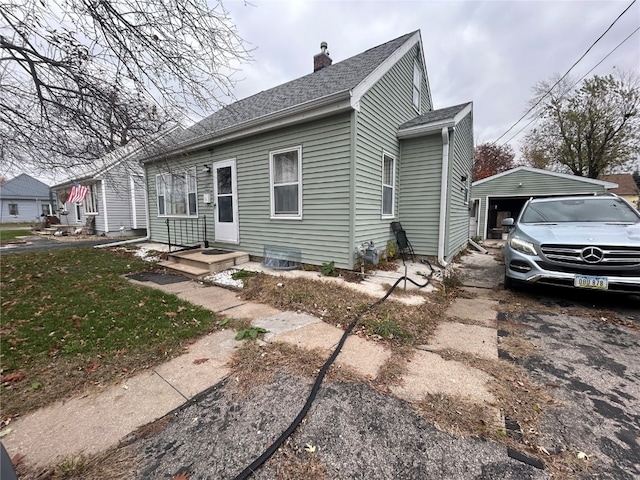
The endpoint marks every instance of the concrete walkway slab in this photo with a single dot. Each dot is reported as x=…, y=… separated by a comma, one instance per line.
x=473, y=339
x=203, y=365
x=284, y=322
x=429, y=373
x=316, y=335
x=213, y=298
x=92, y=423
x=252, y=311
x=481, y=310
x=363, y=356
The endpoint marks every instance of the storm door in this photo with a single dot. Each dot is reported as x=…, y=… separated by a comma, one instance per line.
x=225, y=200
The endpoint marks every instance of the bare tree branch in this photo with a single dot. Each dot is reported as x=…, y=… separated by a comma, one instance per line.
x=82, y=77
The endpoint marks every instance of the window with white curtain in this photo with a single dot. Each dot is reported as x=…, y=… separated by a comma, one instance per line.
x=177, y=193
x=417, y=80
x=388, y=184
x=285, y=168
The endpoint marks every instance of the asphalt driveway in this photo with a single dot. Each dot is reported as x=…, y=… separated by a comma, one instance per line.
x=591, y=366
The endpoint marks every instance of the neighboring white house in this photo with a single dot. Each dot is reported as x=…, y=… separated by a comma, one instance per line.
x=115, y=203
x=24, y=199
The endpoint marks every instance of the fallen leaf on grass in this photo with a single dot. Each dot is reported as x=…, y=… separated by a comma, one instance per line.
x=310, y=448
x=181, y=476
x=170, y=314
x=11, y=377
x=200, y=361
x=181, y=309
x=92, y=368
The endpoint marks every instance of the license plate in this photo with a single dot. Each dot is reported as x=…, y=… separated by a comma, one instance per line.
x=587, y=281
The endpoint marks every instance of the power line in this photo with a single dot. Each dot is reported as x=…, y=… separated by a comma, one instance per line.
x=578, y=81
x=567, y=73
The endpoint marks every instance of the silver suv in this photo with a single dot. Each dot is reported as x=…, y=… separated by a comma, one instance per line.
x=586, y=242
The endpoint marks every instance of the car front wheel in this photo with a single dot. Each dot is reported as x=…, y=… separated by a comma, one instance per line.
x=510, y=283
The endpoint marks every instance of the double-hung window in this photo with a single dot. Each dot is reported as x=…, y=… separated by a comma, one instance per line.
x=13, y=209
x=177, y=193
x=417, y=80
x=388, y=184
x=285, y=171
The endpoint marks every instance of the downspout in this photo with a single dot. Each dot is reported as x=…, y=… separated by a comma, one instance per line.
x=104, y=202
x=444, y=188
x=132, y=192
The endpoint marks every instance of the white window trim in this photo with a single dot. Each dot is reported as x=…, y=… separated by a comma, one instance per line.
x=393, y=187
x=192, y=171
x=273, y=214
x=418, y=87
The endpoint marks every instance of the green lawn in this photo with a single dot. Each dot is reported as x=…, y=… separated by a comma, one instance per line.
x=7, y=235
x=70, y=319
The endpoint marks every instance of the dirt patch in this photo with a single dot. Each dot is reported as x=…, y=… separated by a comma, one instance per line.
x=254, y=365
x=395, y=323
x=109, y=465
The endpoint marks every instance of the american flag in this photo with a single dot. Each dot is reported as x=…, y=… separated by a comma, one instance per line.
x=77, y=193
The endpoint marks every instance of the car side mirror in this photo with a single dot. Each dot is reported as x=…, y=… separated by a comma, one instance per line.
x=507, y=223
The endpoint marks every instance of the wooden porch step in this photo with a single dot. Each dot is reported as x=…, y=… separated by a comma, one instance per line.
x=186, y=270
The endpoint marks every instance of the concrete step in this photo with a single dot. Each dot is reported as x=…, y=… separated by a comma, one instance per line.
x=186, y=270
x=212, y=263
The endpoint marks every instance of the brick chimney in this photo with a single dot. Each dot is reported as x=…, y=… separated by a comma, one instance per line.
x=322, y=59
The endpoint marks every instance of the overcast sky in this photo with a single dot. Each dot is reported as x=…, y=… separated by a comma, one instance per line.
x=488, y=52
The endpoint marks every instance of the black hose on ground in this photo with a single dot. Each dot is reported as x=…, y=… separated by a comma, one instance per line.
x=316, y=386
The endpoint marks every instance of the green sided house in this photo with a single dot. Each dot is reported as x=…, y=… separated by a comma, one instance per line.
x=319, y=167
x=503, y=195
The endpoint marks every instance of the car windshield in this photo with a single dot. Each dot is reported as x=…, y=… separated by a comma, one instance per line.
x=590, y=209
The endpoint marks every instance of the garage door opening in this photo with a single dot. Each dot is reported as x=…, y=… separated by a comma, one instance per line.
x=499, y=209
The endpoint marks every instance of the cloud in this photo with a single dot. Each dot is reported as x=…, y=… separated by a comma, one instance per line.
x=491, y=53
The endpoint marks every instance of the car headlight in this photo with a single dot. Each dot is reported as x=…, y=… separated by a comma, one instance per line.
x=522, y=246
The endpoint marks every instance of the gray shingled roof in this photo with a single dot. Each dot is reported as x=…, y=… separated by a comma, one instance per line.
x=24, y=186
x=339, y=77
x=435, y=116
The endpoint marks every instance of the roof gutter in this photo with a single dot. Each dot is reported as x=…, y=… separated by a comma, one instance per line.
x=324, y=106
x=443, y=196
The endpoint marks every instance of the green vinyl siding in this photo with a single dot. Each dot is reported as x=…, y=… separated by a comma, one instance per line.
x=387, y=104
x=420, y=193
x=526, y=184
x=461, y=162
x=323, y=233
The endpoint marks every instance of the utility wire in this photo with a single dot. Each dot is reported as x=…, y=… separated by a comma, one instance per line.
x=567, y=73
x=578, y=81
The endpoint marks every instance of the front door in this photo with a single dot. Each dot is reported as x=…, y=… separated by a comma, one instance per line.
x=225, y=200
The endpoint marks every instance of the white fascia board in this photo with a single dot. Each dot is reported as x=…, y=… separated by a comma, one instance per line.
x=566, y=176
x=435, y=127
x=424, y=66
x=317, y=108
x=384, y=67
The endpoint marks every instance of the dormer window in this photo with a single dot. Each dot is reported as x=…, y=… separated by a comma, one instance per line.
x=417, y=80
